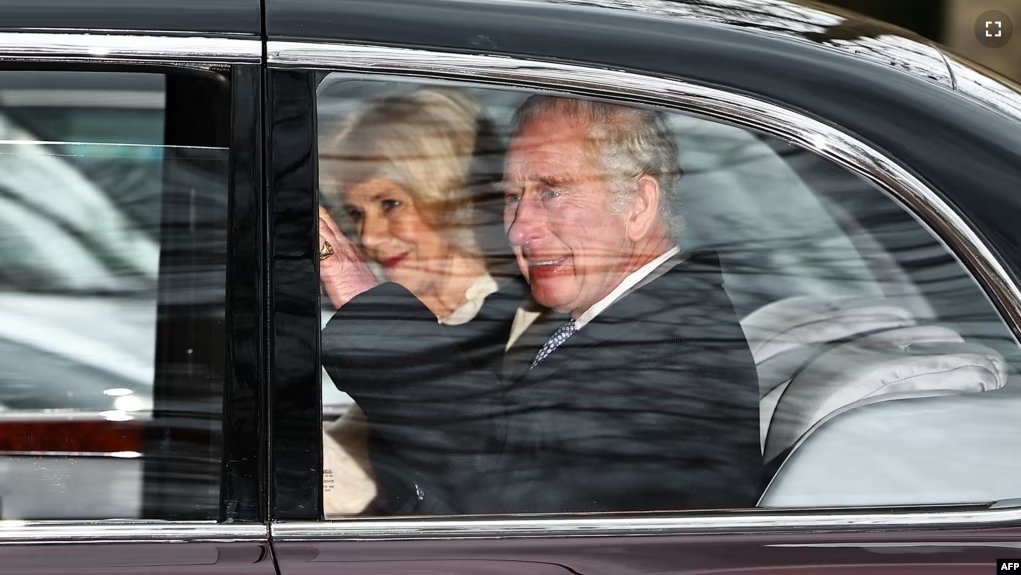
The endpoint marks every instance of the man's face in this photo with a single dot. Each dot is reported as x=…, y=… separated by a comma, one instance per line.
x=570, y=246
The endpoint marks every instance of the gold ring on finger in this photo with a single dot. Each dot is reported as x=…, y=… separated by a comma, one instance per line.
x=325, y=251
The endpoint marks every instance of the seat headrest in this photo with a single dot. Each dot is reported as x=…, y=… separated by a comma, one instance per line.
x=799, y=321
x=948, y=449
x=909, y=362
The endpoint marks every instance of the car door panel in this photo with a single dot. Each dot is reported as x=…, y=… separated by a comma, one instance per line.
x=894, y=554
x=139, y=558
x=143, y=437
x=903, y=114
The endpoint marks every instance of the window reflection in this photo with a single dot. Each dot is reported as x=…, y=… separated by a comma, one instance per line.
x=679, y=312
x=867, y=40
x=97, y=220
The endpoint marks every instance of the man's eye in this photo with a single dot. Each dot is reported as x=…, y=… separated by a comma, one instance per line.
x=550, y=193
x=512, y=198
x=388, y=205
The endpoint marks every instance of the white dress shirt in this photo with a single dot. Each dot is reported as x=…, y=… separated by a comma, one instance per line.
x=623, y=287
x=524, y=317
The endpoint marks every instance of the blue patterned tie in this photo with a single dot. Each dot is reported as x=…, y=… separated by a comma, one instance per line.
x=558, y=337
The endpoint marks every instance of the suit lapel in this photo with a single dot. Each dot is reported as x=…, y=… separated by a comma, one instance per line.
x=618, y=323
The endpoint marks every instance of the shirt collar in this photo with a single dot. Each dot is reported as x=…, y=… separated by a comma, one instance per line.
x=475, y=296
x=629, y=282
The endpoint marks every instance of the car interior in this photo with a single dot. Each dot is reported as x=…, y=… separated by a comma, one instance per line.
x=858, y=316
x=866, y=322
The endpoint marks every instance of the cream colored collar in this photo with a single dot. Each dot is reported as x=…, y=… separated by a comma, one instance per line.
x=475, y=296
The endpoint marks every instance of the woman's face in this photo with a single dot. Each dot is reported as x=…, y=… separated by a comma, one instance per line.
x=393, y=233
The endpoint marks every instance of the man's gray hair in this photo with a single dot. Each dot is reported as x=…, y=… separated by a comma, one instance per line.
x=626, y=143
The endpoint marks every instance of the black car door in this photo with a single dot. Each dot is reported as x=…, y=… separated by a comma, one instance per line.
x=129, y=195
x=859, y=204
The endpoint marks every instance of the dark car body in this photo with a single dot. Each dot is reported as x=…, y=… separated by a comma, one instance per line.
x=948, y=135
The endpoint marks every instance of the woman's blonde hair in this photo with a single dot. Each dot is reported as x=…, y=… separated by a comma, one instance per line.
x=425, y=141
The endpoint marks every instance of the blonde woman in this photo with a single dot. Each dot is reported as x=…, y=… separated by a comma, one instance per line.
x=407, y=177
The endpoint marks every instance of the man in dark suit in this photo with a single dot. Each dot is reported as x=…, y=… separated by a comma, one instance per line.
x=644, y=397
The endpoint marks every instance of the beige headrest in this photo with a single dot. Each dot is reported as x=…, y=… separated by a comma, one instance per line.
x=910, y=362
x=804, y=320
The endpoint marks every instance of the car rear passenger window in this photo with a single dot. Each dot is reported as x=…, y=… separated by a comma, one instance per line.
x=112, y=272
x=535, y=304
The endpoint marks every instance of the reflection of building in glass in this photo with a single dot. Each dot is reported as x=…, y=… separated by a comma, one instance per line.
x=874, y=41
x=998, y=95
x=949, y=22
x=784, y=18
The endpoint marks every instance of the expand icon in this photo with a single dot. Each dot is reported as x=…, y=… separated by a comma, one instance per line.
x=993, y=29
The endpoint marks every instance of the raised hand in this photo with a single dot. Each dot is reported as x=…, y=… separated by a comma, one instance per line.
x=342, y=269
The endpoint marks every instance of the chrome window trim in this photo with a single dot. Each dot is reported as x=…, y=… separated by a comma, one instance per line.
x=22, y=532
x=823, y=139
x=128, y=48
x=67, y=454
x=607, y=525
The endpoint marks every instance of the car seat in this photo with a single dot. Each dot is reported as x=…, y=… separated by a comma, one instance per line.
x=821, y=360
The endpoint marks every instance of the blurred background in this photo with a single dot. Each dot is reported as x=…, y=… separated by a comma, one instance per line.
x=949, y=22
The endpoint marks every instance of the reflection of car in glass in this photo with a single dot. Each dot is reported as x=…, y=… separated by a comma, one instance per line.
x=74, y=257
x=80, y=205
x=78, y=224
x=161, y=406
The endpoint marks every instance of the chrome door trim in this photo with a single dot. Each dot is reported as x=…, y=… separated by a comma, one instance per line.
x=67, y=454
x=22, y=532
x=132, y=48
x=772, y=521
x=794, y=127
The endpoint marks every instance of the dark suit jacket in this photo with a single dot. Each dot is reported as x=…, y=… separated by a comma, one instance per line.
x=428, y=390
x=652, y=405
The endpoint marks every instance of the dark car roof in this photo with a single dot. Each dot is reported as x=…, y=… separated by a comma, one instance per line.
x=886, y=86
x=173, y=17
x=514, y=25
x=539, y=28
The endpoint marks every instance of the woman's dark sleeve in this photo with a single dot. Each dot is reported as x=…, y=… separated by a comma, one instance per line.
x=385, y=347
x=428, y=405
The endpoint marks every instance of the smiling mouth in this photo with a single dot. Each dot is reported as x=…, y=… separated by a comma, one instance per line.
x=391, y=262
x=545, y=263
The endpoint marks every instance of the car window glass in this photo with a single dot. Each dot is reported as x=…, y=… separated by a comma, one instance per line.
x=100, y=210
x=779, y=332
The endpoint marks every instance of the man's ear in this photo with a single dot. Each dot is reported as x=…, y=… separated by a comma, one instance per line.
x=644, y=211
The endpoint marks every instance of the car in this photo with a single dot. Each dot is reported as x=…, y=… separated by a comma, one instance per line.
x=162, y=389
